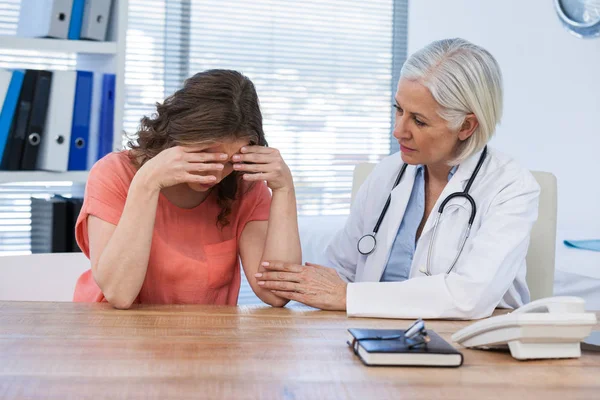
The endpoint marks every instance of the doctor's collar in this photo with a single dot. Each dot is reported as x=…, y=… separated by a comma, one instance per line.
x=419, y=169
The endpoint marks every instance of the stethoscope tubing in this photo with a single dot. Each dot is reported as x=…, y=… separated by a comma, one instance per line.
x=370, y=248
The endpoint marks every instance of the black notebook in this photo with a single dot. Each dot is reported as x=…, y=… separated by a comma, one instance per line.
x=437, y=353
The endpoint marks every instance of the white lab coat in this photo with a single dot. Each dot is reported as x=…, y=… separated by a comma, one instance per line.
x=491, y=269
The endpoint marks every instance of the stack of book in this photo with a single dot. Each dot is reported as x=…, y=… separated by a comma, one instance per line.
x=45, y=119
x=65, y=19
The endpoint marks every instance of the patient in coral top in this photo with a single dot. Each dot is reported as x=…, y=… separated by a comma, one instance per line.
x=168, y=221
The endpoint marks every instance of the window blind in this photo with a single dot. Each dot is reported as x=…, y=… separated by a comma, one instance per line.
x=322, y=69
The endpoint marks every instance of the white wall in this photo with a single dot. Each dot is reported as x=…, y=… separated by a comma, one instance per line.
x=552, y=90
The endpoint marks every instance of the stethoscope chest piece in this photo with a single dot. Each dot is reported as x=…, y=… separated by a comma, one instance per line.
x=366, y=244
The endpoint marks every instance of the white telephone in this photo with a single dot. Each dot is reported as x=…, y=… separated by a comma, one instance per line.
x=547, y=328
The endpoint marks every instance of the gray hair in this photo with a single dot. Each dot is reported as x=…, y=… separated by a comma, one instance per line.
x=464, y=79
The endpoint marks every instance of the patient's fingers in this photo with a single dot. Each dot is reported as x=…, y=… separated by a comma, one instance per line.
x=281, y=266
x=258, y=176
x=257, y=149
x=251, y=167
x=260, y=158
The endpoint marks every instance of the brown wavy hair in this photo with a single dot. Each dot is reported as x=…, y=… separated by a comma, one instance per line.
x=212, y=106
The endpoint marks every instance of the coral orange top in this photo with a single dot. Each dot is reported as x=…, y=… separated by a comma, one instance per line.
x=192, y=260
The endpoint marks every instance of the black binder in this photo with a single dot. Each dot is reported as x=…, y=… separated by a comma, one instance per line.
x=75, y=210
x=49, y=225
x=16, y=137
x=37, y=120
x=53, y=224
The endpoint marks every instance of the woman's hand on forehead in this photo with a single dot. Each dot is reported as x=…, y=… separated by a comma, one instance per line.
x=227, y=148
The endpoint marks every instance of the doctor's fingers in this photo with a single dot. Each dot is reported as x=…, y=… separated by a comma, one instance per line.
x=280, y=285
x=282, y=266
x=299, y=297
x=279, y=276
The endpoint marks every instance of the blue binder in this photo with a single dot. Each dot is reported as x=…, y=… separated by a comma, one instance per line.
x=80, y=130
x=107, y=112
x=76, y=20
x=9, y=107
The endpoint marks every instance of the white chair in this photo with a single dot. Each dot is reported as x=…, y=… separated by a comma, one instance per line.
x=542, y=247
x=41, y=277
x=541, y=253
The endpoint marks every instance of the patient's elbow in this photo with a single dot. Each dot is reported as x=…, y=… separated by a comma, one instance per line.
x=277, y=302
x=122, y=305
x=119, y=302
x=113, y=297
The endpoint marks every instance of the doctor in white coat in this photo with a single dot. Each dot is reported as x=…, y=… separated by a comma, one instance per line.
x=448, y=103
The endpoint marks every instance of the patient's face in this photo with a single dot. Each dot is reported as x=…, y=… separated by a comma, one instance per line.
x=423, y=135
x=228, y=147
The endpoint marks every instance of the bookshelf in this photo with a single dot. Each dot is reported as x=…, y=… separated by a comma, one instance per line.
x=98, y=57
x=58, y=45
x=79, y=177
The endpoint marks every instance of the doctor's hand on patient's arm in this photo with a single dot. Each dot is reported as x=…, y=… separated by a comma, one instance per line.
x=310, y=284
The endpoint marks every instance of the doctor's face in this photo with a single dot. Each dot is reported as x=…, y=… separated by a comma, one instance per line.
x=423, y=135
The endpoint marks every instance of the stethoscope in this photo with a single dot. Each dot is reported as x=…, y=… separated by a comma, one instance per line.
x=367, y=244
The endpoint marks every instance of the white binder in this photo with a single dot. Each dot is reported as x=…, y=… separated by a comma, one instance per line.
x=94, y=120
x=45, y=18
x=95, y=19
x=5, y=77
x=54, y=151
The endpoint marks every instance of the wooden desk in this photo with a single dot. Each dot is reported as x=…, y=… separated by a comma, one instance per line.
x=66, y=350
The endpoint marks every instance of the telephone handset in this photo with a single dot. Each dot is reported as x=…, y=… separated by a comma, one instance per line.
x=547, y=328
